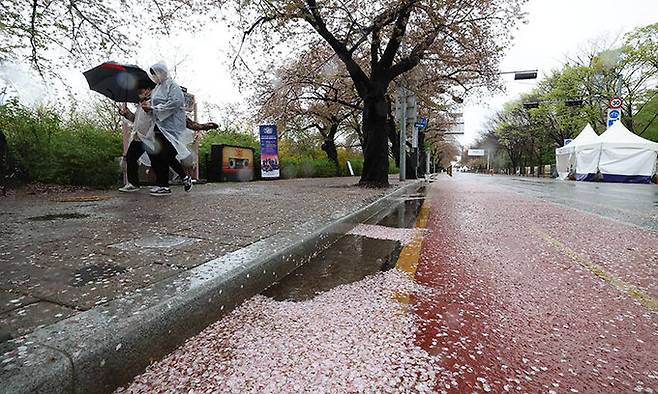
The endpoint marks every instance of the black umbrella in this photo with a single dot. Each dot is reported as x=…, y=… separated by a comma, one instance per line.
x=119, y=82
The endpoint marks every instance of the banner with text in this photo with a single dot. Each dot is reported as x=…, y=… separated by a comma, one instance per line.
x=269, y=151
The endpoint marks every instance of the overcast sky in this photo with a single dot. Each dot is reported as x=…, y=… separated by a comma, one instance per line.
x=555, y=29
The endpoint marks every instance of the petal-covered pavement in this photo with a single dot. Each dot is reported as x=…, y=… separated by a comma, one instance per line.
x=507, y=293
x=530, y=296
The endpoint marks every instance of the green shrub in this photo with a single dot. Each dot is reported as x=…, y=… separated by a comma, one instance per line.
x=392, y=169
x=53, y=151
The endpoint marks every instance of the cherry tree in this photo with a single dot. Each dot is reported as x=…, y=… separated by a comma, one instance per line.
x=378, y=42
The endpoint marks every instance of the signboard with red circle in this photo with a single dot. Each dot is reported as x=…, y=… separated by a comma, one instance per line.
x=616, y=102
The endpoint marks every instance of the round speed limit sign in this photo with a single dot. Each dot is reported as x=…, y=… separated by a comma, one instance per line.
x=616, y=102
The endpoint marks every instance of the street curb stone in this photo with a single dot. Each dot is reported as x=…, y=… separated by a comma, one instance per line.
x=98, y=350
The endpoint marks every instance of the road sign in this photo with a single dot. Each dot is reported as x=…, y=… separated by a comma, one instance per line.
x=614, y=115
x=567, y=141
x=476, y=152
x=616, y=102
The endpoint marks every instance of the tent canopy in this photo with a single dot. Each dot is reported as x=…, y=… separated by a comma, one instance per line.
x=586, y=136
x=626, y=157
x=623, y=156
x=619, y=136
x=566, y=157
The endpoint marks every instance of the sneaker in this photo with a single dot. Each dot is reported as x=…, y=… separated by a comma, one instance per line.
x=129, y=188
x=161, y=191
x=154, y=189
x=187, y=183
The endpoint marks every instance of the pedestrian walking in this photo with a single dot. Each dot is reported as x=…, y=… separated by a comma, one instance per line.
x=171, y=135
x=142, y=140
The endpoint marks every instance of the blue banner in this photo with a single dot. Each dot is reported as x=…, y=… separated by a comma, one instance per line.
x=269, y=151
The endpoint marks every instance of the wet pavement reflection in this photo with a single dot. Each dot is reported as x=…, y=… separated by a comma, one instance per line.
x=351, y=258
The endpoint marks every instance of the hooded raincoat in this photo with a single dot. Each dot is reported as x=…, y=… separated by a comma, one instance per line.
x=168, y=105
x=143, y=128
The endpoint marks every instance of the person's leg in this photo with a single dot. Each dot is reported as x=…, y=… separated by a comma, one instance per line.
x=172, y=161
x=160, y=162
x=135, y=151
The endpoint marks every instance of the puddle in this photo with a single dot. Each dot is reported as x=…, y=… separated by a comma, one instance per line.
x=93, y=273
x=58, y=216
x=404, y=215
x=350, y=259
x=353, y=257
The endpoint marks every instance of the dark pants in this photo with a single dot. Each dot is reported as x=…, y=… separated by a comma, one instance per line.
x=135, y=151
x=164, y=159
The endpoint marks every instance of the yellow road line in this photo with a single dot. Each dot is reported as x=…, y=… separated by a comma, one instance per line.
x=644, y=299
x=410, y=254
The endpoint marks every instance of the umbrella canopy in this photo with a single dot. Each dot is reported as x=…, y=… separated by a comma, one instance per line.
x=119, y=82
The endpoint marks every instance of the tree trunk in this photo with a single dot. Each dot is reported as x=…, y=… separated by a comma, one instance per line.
x=329, y=147
x=375, y=154
x=393, y=135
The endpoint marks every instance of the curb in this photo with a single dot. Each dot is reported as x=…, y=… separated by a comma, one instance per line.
x=104, y=348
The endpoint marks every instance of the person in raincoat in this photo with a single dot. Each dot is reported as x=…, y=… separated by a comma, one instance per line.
x=142, y=139
x=167, y=105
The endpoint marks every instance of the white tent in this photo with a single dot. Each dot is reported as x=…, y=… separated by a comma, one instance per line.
x=566, y=156
x=626, y=157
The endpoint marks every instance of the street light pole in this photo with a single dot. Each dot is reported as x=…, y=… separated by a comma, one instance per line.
x=402, y=94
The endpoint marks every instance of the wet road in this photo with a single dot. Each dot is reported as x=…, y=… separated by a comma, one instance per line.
x=513, y=286
x=628, y=203
x=532, y=296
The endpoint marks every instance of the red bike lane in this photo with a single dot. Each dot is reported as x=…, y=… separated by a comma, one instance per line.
x=529, y=296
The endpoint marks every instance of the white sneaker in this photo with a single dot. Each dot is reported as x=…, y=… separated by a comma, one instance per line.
x=129, y=188
x=187, y=183
x=161, y=191
x=154, y=189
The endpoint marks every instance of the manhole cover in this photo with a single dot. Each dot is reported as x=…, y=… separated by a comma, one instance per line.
x=155, y=242
x=81, y=199
x=94, y=273
x=58, y=216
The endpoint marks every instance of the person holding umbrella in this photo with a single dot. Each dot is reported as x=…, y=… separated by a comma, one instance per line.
x=167, y=105
x=142, y=139
x=157, y=126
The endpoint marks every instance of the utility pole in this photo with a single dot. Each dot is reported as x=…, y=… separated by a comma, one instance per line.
x=413, y=117
x=402, y=97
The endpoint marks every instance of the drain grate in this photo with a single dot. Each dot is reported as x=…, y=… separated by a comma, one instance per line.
x=58, y=216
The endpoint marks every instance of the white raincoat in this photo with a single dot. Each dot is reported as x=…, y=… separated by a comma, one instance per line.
x=143, y=126
x=168, y=105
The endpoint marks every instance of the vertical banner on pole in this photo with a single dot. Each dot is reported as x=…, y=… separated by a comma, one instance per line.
x=269, y=151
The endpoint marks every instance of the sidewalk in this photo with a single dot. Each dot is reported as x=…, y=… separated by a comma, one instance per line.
x=65, y=253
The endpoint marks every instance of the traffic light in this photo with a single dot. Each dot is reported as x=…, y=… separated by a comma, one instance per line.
x=531, y=105
x=520, y=75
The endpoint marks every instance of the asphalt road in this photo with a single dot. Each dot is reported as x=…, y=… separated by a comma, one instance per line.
x=628, y=203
